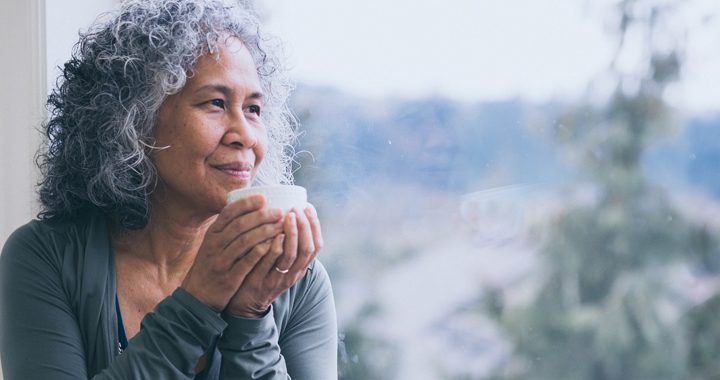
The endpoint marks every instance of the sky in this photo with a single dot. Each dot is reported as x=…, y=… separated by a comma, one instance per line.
x=479, y=50
x=467, y=50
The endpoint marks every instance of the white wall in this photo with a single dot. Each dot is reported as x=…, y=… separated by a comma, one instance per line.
x=64, y=19
x=36, y=36
x=40, y=34
x=22, y=89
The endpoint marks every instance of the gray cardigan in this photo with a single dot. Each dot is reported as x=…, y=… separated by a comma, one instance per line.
x=58, y=319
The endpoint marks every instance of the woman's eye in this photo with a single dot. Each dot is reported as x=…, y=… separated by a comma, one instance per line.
x=218, y=103
x=254, y=109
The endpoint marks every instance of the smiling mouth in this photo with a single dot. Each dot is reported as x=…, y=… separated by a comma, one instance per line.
x=236, y=170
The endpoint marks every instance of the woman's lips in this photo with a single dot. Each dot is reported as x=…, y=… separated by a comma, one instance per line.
x=237, y=170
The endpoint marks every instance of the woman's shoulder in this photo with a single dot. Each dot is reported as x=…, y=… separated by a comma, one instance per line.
x=310, y=291
x=317, y=275
x=51, y=239
x=316, y=281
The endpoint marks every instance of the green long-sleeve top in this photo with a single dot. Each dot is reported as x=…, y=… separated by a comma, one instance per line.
x=58, y=319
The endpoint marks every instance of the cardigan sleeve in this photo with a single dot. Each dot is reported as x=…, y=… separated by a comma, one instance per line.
x=171, y=341
x=40, y=333
x=296, y=339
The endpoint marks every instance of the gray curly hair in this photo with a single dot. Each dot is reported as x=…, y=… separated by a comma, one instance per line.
x=104, y=109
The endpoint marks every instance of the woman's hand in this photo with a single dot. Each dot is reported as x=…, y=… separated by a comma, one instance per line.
x=288, y=257
x=231, y=249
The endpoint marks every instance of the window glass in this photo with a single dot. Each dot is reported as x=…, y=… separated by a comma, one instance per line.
x=516, y=189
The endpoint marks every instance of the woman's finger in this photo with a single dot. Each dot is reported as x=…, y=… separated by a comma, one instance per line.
x=312, y=216
x=246, y=263
x=243, y=243
x=306, y=243
x=248, y=222
x=233, y=210
x=268, y=263
x=306, y=248
x=286, y=260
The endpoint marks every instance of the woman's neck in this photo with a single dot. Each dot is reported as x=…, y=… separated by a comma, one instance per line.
x=168, y=243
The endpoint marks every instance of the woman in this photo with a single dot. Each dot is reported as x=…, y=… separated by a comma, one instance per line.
x=137, y=268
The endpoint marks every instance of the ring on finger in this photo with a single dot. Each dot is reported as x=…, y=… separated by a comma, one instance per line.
x=282, y=271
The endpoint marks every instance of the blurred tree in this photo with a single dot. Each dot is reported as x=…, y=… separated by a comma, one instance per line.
x=606, y=306
x=363, y=355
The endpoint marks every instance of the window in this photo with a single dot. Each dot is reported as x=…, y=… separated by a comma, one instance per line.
x=514, y=190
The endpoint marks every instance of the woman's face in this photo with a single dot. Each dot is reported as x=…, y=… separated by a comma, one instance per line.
x=213, y=130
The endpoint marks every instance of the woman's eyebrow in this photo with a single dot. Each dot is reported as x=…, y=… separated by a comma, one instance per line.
x=225, y=90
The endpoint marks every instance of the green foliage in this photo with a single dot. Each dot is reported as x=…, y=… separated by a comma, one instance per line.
x=606, y=307
x=362, y=355
x=704, y=333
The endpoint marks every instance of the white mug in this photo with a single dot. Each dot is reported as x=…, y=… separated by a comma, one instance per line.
x=284, y=197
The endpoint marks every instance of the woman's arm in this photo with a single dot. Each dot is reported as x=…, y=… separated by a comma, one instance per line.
x=40, y=332
x=307, y=347
x=309, y=340
x=171, y=341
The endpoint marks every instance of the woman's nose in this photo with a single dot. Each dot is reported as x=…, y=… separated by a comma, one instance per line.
x=240, y=134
